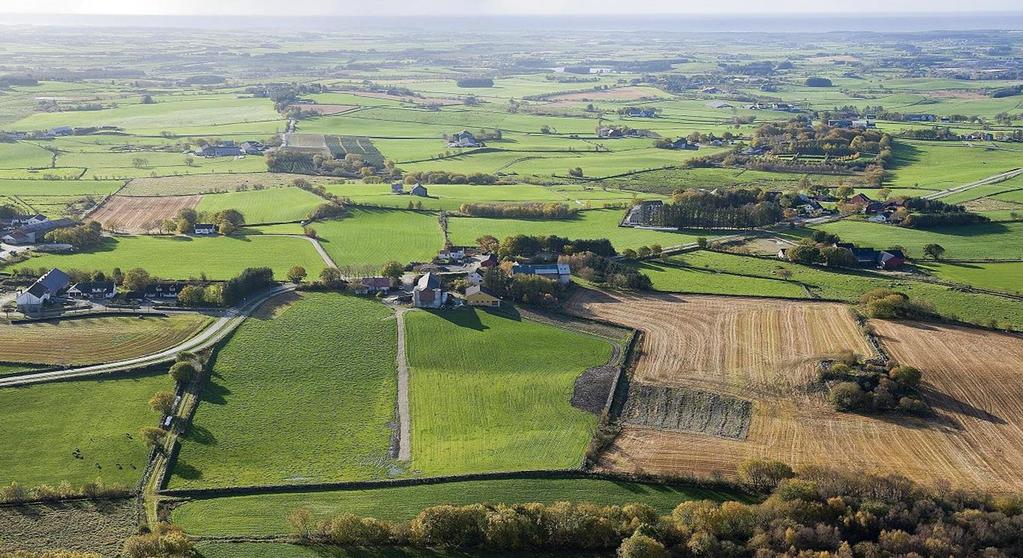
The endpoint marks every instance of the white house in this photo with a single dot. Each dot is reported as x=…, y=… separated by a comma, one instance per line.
x=205, y=229
x=46, y=287
x=93, y=290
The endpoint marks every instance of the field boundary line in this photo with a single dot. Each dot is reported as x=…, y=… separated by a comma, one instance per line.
x=538, y=474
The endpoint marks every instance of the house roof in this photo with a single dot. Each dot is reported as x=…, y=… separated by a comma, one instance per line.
x=205, y=226
x=476, y=289
x=47, y=226
x=542, y=269
x=428, y=281
x=376, y=282
x=51, y=282
x=95, y=286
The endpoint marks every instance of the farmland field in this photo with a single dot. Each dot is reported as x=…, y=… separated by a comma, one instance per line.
x=491, y=407
x=985, y=241
x=267, y=514
x=181, y=257
x=598, y=223
x=140, y=215
x=847, y=286
x=998, y=276
x=938, y=165
x=324, y=419
x=101, y=418
x=368, y=238
x=83, y=341
x=208, y=183
x=273, y=205
x=766, y=352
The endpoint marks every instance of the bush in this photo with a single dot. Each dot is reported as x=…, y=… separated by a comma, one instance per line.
x=848, y=396
x=183, y=372
x=166, y=541
x=763, y=475
x=351, y=530
x=641, y=546
x=906, y=376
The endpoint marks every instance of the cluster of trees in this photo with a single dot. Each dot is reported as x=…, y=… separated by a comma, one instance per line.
x=817, y=82
x=81, y=237
x=249, y=281
x=870, y=387
x=15, y=493
x=734, y=209
x=643, y=252
x=352, y=165
x=936, y=213
x=607, y=272
x=227, y=221
x=527, y=247
x=201, y=295
x=817, y=512
x=888, y=304
x=796, y=136
x=536, y=210
x=527, y=289
x=445, y=177
x=820, y=249
x=475, y=82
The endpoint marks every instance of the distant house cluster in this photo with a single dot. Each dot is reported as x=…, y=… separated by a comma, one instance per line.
x=417, y=190
x=878, y=211
x=463, y=263
x=230, y=149
x=640, y=112
x=30, y=229
x=859, y=123
x=782, y=107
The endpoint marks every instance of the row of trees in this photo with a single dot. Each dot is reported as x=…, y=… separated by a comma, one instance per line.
x=16, y=493
x=734, y=209
x=445, y=177
x=528, y=247
x=536, y=210
x=817, y=512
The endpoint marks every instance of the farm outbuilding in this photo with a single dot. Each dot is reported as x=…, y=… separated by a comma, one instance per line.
x=51, y=284
x=478, y=296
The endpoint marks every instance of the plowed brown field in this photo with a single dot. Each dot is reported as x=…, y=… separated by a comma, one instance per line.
x=138, y=215
x=764, y=350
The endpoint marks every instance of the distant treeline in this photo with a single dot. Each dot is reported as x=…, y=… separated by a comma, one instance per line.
x=520, y=210
x=445, y=177
x=936, y=213
x=475, y=82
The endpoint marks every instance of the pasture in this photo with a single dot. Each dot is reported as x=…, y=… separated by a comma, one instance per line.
x=480, y=403
x=846, y=286
x=598, y=223
x=267, y=514
x=183, y=257
x=987, y=241
x=368, y=238
x=940, y=165
x=736, y=347
x=282, y=408
x=274, y=205
x=100, y=418
x=1007, y=276
x=82, y=341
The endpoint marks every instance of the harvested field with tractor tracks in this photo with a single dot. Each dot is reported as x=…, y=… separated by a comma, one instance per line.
x=139, y=215
x=766, y=351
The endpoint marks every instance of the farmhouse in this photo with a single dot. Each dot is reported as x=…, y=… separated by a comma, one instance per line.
x=226, y=149
x=205, y=229
x=419, y=190
x=464, y=138
x=32, y=233
x=558, y=272
x=161, y=290
x=251, y=147
x=397, y=188
x=485, y=260
x=640, y=112
x=93, y=290
x=428, y=292
x=860, y=199
x=478, y=296
x=49, y=285
x=643, y=212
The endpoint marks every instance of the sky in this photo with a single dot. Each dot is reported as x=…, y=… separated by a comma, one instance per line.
x=495, y=7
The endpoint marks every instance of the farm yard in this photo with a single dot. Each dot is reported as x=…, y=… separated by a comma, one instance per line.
x=85, y=340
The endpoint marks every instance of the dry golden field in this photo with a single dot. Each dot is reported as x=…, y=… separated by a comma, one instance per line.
x=85, y=341
x=138, y=215
x=765, y=350
x=188, y=184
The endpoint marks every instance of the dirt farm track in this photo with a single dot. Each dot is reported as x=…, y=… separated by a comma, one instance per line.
x=765, y=351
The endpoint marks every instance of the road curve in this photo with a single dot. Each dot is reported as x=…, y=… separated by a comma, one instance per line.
x=208, y=337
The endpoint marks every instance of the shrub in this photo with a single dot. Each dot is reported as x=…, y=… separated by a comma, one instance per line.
x=763, y=475
x=641, y=546
x=182, y=372
x=351, y=530
x=165, y=541
x=906, y=375
x=848, y=396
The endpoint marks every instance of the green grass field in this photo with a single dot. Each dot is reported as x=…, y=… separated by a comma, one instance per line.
x=273, y=205
x=939, y=165
x=282, y=407
x=689, y=279
x=986, y=241
x=267, y=514
x=181, y=257
x=101, y=418
x=481, y=403
x=997, y=276
x=601, y=223
x=451, y=196
x=368, y=238
x=847, y=286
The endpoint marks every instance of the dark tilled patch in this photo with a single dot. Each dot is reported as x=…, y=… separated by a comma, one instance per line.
x=688, y=410
x=593, y=387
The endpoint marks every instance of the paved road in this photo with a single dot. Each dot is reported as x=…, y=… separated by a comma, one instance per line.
x=404, y=421
x=316, y=244
x=217, y=331
x=994, y=179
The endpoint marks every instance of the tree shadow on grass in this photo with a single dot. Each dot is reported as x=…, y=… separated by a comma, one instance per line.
x=186, y=470
x=215, y=393
x=200, y=435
